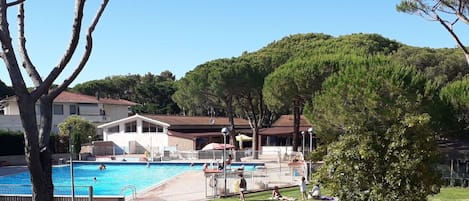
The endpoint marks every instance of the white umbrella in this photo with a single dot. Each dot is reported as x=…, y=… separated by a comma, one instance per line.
x=217, y=146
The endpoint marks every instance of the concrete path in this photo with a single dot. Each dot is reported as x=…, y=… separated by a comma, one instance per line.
x=188, y=186
x=191, y=186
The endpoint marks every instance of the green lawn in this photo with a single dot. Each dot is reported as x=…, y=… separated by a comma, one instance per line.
x=451, y=194
x=446, y=194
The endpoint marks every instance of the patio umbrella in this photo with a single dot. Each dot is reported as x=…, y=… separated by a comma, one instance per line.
x=217, y=146
x=242, y=138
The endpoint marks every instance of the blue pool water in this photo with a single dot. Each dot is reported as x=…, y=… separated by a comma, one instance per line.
x=108, y=182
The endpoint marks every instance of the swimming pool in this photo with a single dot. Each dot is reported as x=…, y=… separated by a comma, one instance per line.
x=110, y=181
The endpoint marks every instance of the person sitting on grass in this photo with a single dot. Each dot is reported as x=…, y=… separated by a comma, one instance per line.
x=315, y=192
x=277, y=196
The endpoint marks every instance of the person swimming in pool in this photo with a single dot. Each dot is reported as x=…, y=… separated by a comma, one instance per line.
x=102, y=166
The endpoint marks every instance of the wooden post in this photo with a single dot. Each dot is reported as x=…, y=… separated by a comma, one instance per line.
x=451, y=174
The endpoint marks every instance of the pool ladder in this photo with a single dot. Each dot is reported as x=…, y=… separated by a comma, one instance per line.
x=132, y=188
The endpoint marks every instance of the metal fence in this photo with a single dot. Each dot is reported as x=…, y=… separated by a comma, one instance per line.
x=279, y=169
x=257, y=180
x=9, y=192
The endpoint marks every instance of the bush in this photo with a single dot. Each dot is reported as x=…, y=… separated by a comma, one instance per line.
x=11, y=143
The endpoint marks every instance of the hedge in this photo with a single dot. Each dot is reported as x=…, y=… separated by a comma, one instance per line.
x=12, y=143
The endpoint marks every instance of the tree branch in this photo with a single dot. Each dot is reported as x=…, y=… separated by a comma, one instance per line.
x=27, y=64
x=86, y=55
x=455, y=37
x=8, y=53
x=77, y=23
x=15, y=3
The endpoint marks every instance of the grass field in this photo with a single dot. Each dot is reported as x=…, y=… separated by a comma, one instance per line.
x=451, y=194
x=446, y=194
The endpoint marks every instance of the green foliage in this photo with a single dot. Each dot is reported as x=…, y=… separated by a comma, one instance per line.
x=211, y=84
x=153, y=92
x=5, y=90
x=381, y=143
x=446, y=12
x=80, y=129
x=11, y=143
x=318, y=154
x=456, y=94
x=312, y=58
x=441, y=65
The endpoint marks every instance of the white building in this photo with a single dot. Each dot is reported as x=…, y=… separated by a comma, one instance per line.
x=96, y=110
x=157, y=133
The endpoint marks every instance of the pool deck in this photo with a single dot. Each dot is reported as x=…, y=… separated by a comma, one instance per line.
x=187, y=186
x=190, y=185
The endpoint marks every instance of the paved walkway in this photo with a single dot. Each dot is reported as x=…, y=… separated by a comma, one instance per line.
x=188, y=186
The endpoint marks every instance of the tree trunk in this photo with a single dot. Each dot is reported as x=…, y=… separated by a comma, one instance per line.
x=255, y=145
x=232, y=138
x=296, y=124
x=38, y=157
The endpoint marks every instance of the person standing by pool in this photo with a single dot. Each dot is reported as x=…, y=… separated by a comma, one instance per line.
x=242, y=186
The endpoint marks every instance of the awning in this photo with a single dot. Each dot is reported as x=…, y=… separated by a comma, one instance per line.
x=192, y=135
x=281, y=130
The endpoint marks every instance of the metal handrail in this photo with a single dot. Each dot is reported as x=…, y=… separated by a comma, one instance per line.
x=132, y=188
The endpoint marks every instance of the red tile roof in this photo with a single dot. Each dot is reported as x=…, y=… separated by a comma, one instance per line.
x=69, y=97
x=284, y=126
x=196, y=120
x=287, y=120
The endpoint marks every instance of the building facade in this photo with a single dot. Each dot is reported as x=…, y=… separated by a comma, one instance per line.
x=158, y=133
x=96, y=110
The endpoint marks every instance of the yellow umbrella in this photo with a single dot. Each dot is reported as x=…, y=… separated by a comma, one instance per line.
x=242, y=138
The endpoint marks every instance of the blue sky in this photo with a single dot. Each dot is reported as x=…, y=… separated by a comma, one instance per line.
x=137, y=36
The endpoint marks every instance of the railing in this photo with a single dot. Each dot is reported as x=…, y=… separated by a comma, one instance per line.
x=11, y=192
x=132, y=188
x=259, y=179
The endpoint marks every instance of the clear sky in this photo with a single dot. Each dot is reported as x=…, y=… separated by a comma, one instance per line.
x=137, y=36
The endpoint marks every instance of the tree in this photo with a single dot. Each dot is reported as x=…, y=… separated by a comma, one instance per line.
x=252, y=70
x=117, y=87
x=456, y=94
x=312, y=58
x=153, y=92
x=37, y=150
x=80, y=129
x=210, y=85
x=441, y=65
x=445, y=12
x=383, y=146
x=291, y=86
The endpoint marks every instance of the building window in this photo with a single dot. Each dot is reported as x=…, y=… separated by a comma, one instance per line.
x=74, y=110
x=58, y=109
x=114, y=129
x=148, y=127
x=131, y=127
x=159, y=129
